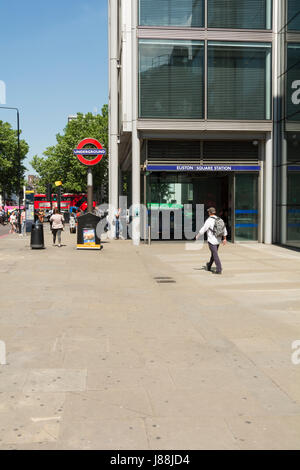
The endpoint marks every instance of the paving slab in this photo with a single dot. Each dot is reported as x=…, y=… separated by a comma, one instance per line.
x=190, y=434
x=55, y=380
x=121, y=361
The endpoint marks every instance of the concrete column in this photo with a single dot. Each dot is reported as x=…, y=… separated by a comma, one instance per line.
x=113, y=104
x=268, y=199
x=136, y=190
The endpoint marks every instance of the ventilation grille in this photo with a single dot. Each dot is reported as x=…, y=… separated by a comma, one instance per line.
x=208, y=152
x=229, y=151
x=174, y=151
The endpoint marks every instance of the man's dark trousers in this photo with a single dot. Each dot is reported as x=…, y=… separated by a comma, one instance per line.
x=214, y=257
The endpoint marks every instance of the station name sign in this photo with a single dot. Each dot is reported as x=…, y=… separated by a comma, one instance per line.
x=203, y=167
x=84, y=151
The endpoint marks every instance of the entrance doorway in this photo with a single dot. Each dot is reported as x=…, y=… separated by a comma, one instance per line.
x=234, y=195
x=215, y=191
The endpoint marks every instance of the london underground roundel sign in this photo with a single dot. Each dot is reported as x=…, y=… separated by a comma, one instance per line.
x=98, y=151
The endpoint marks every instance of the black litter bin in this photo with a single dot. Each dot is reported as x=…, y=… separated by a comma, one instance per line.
x=37, y=236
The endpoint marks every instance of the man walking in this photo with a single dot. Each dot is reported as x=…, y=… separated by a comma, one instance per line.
x=216, y=230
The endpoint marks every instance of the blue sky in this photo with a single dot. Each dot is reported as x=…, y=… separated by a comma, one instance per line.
x=53, y=60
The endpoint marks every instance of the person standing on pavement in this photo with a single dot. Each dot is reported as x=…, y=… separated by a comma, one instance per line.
x=57, y=225
x=117, y=223
x=23, y=222
x=2, y=215
x=13, y=222
x=216, y=232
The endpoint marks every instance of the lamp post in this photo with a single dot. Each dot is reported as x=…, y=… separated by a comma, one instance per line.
x=19, y=162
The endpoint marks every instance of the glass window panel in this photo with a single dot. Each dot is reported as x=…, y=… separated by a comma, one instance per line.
x=293, y=15
x=293, y=209
x=171, y=82
x=239, y=81
x=188, y=13
x=293, y=147
x=241, y=14
x=246, y=207
x=293, y=82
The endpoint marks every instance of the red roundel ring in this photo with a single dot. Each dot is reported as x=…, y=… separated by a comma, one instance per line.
x=84, y=160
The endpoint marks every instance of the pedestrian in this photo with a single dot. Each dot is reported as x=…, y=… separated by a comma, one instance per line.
x=23, y=222
x=117, y=223
x=216, y=232
x=2, y=216
x=41, y=215
x=13, y=222
x=57, y=225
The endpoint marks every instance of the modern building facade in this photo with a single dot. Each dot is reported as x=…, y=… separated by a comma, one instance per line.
x=205, y=108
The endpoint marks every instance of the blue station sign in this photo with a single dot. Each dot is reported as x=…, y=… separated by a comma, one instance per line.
x=294, y=168
x=203, y=168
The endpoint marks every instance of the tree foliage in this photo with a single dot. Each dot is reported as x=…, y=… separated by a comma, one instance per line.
x=9, y=159
x=60, y=164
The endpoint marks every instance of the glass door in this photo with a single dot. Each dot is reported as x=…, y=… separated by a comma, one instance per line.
x=246, y=207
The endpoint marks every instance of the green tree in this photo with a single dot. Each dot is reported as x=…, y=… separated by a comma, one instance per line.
x=9, y=159
x=60, y=164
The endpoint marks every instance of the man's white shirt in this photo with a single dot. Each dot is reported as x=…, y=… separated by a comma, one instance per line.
x=208, y=227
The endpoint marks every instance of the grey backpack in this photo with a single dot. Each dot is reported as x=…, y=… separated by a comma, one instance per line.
x=219, y=227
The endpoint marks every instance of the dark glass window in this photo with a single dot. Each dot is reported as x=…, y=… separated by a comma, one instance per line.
x=293, y=83
x=293, y=208
x=293, y=15
x=246, y=207
x=171, y=82
x=239, y=81
x=188, y=13
x=293, y=147
x=240, y=14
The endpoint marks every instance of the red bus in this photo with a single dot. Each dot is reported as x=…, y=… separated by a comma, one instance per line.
x=40, y=202
x=67, y=200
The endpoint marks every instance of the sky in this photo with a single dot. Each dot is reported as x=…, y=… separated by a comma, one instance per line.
x=54, y=63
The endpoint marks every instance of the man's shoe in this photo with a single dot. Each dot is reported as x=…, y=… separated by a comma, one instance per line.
x=217, y=272
x=208, y=268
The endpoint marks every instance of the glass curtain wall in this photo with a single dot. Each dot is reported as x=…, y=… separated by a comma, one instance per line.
x=171, y=82
x=293, y=208
x=233, y=14
x=246, y=207
x=293, y=82
x=239, y=81
x=293, y=15
x=240, y=14
x=184, y=13
x=290, y=192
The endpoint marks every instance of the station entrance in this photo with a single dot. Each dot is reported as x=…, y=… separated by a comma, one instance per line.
x=235, y=196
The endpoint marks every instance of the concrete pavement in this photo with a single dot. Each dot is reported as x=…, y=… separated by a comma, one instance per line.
x=103, y=355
